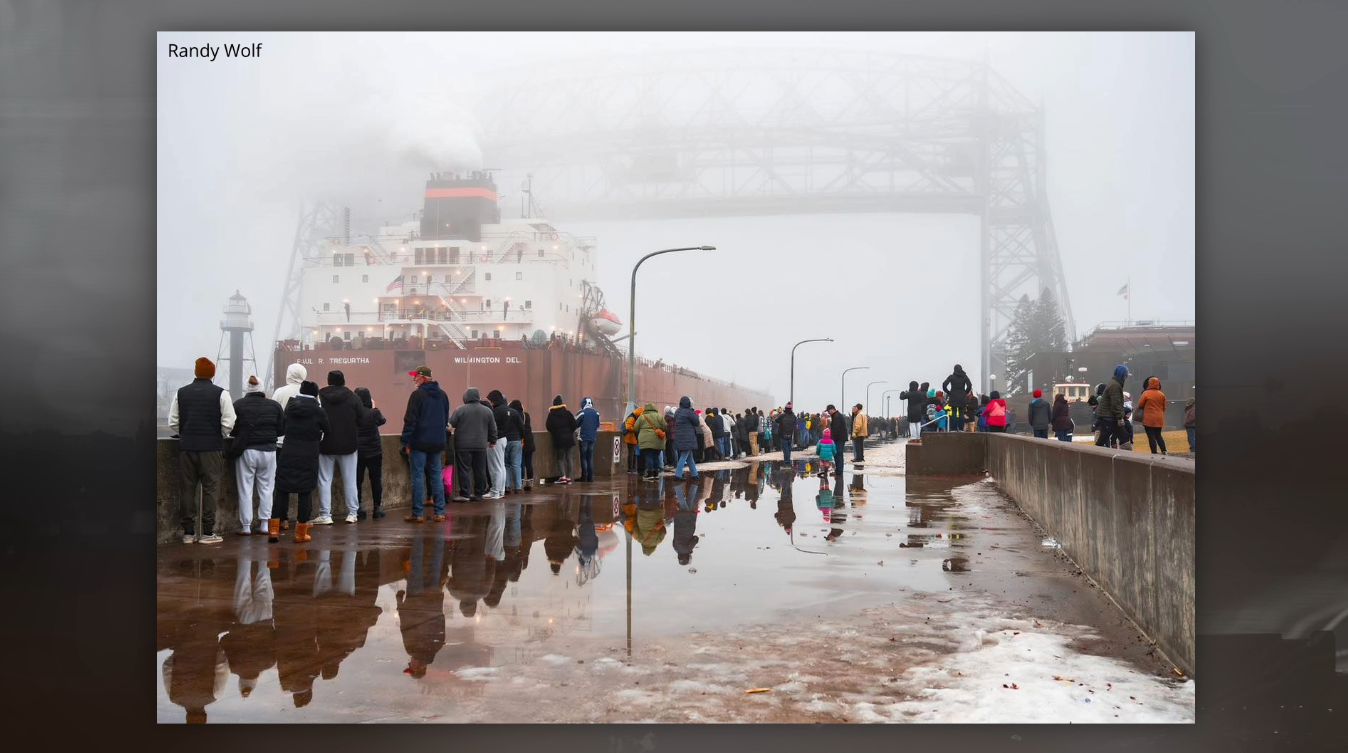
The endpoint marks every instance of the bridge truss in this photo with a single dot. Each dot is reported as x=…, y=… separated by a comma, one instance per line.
x=799, y=131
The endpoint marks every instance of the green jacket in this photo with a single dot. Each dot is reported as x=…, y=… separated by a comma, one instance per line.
x=1111, y=401
x=650, y=420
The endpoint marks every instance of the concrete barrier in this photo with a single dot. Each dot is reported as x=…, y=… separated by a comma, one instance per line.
x=1127, y=519
x=397, y=482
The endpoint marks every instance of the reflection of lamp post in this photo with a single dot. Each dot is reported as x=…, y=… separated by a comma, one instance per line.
x=631, y=397
x=791, y=397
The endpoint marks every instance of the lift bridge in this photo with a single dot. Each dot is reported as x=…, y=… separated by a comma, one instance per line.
x=760, y=132
x=754, y=132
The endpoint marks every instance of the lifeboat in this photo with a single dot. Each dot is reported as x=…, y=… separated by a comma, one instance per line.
x=606, y=323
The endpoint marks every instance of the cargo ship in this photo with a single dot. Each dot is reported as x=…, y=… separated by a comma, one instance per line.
x=497, y=304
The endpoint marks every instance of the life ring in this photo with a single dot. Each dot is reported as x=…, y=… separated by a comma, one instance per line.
x=554, y=236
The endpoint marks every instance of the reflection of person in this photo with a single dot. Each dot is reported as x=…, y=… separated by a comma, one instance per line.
x=786, y=513
x=685, y=523
x=347, y=612
x=561, y=540
x=250, y=646
x=469, y=579
x=421, y=607
x=296, y=619
x=197, y=671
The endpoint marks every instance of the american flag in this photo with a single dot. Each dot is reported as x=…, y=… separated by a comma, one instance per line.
x=397, y=284
x=1123, y=291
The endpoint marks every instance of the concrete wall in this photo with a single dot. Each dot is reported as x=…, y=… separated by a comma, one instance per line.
x=397, y=482
x=1126, y=519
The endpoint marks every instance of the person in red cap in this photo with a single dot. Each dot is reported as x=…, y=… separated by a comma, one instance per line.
x=1041, y=415
x=201, y=416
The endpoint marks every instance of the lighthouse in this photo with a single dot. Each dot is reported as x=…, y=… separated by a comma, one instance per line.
x=236, y=324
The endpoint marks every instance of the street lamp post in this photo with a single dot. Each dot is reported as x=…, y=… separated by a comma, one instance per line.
x=885, y=396
x=792, y=396
x=842, y=405
x=631, y=397
x=868, y=393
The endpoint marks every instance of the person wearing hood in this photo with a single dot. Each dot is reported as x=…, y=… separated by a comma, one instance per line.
x=338, y=448
x=717, y=426
x=686, y=430
x=259, y=422
x=1190, y=423
x=827, y=452
x=1109, y=408
x=1040, y=415
x=496, y=454
x=786, y=429
x=297, y=461
x=707, y=448
x=201, y=416
x=561, y=426
x=527, y=446
x=588, y=420
x=423, y=435
x=685, y=523
x=1062, y=418
x=295, y=376
x=370, y=454
x=634, y=454
x=1152, y=404
x=995, y=413
x=651, y=429
x=957, y=386
x=510, y=422
x=667, y=453
x=474, y=432
x=917, y=409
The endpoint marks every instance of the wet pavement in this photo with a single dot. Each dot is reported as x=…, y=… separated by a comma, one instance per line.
x=841, y=596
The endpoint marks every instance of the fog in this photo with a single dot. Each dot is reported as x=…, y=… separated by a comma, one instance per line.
x=360, y=119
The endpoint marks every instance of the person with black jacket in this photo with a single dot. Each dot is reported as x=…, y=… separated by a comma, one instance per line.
x=751, y=430
x=508, y=430
x=201, y=416
x=297, y=461
x=786, y=432
x=339, y=447
x=561, y=424
x=917, y=408
x=839, y=429
x=957, y=385
x=258, y=423
x=425, y=438
x=1062, y=418
x=686, y=430
x=369, y=454
x=526, y=467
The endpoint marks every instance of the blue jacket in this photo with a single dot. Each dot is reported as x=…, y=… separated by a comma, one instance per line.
x=686, y=427
x=826, y=450
x=588, y=418
x=427, y=418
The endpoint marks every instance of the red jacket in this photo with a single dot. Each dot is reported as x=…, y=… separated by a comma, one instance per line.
x=994, y=420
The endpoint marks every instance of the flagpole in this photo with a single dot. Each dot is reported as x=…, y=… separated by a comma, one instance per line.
x=1129, y=298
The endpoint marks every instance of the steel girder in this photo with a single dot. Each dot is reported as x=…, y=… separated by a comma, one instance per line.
x=799, y=131
x=317, y=224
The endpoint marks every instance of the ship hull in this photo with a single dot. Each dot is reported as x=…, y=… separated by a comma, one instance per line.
x=532, y=375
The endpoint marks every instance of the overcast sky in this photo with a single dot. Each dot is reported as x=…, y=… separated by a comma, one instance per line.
x=360, y=118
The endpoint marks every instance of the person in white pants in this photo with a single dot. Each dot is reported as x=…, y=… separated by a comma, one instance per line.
x=496, y=468
x=338, y=447
x=255, y=468
x=347, y=464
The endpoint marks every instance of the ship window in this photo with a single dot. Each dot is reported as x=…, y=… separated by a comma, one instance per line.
x=488, y=303
x=474, y=334
x=414, y=278
x=489, y=277
x=417, y=255
x=528, y=304
x=325, y=307
x=346, y=335
x=350, y=260
x=540, y=253
x=334, y=278
x=453, y=254
x=336, y=260
x=519, y=275
x=496, y=333
x=440, y=254
x=364, y=278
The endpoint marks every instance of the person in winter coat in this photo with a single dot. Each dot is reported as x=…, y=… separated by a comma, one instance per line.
x=751, y=430
x=297, y=461
x=510, y=423
x=370, y=454
x=1062, y=418
x=496, y=467
x=561, y=425
x=295, y=376
x=729, y=446
x=1189, y=423
x=685, y=523
x=201, y=416
x=837, y=425
x=995, y=413
x=474, y=433
x=957, y=386
x=1109, y=407
x=917, y=409
x=260, y=422
x=708, y=444
x=634, y=454
x=339, y=447
x=667, y=453
x=527, y=446
x=1152, y=404
x=686, y=430
x=651, y=429
x=1040, y=415
x=588, y=420
x=423, y=435
x=786, y=430
x=827, y=452
x=859, y=434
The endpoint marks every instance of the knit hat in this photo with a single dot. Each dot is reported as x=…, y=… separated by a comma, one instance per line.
x=1038, y=393
x=558, y=400
x=1120, y=372
x=995, y=395
x=308, y=388
x=253, y=385
x=828, y=434
x=204, y=369
x=336, y=379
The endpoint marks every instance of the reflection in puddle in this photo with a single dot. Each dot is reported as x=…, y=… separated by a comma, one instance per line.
x=252, y=629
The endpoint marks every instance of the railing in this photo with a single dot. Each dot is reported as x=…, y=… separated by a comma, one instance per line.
x=1136, y=324
x=499, y=248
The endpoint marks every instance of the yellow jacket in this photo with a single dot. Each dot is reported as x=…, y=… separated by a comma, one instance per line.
x=859, y=424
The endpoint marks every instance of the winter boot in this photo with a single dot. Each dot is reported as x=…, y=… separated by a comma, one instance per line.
x=273, y=530
x=302, y=533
